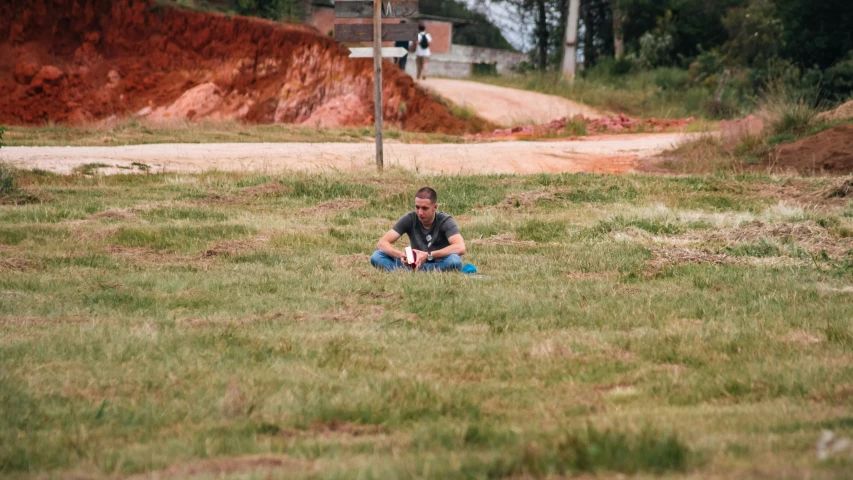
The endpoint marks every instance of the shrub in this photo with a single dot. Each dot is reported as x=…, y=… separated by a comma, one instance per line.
x=7, y=180
x=838, y=81
x=7, y=173
x=668, y=78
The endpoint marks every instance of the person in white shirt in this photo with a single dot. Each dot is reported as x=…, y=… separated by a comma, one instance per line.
x=422, y=52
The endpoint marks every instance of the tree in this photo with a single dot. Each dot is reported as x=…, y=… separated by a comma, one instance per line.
x=754, y=34
x=477, y=31
x=816, y=32
x=597, y=22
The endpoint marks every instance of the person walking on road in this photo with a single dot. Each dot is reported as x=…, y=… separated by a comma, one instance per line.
x=422, y=52
x=401, y=62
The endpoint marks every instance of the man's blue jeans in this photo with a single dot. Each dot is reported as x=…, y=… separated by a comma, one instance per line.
x=450, y=262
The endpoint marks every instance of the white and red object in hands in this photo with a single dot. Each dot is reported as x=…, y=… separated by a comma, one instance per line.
x=411, y=257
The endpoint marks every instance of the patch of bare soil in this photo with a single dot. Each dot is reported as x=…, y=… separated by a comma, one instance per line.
x=590, y=275
x=354, y=260
x=807, y=235
x=232, y=247
x=270, y=189
x=19, y=320
x=801, y=337
x=503, y=239
x=146, y=256
x=806, y=193
x=217, y=467
x=215, y=198
x=336, y=205
x=17, y=264
x=121, y=214
x=348, y=312
x=666, y=256
x=336, y=427
x=552, y=349
x=526, y=199
x=830, y=151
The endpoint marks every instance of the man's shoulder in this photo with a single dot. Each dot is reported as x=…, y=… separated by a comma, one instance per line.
x=408, y=219
x=443, y=218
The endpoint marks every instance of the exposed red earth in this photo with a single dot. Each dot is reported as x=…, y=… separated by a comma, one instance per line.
x=79, y=61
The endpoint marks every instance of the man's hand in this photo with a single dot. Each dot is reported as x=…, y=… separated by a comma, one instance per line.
x=420, y=258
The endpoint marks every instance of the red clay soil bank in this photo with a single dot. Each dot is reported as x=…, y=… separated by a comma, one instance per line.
x=830, y=151
x=75, y=61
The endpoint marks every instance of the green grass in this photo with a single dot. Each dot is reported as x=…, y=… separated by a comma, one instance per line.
x=136, y=132
x=652, y=326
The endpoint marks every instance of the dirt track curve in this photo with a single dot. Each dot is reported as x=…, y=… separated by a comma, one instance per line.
x=594, y=154
x=507, y=106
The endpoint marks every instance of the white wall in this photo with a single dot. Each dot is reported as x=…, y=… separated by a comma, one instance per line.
x=457, y=62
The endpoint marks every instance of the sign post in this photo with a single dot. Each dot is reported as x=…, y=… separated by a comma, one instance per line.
x=376, y=33
x=377, y=79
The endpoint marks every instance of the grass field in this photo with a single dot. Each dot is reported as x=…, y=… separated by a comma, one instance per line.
x=226, y=325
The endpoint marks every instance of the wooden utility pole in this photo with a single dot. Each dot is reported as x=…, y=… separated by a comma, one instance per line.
x=377, y=79
x=363, y=32
x=570, y=51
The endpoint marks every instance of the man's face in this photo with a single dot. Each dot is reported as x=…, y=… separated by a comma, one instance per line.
x=425, y=209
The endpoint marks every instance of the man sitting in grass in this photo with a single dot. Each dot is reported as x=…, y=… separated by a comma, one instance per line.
x=434, y=237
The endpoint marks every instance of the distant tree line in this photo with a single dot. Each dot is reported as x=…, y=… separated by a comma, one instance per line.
x=811, y=40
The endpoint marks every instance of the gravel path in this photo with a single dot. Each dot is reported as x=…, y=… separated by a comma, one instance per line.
x=507, y=106
x=594, y=154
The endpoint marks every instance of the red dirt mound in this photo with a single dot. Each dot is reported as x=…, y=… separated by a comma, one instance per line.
x=830, y=151
x=619, y=123
x=74, y=61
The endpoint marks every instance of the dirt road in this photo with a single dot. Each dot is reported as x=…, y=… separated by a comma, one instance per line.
x=507, y=106
x=594, y=154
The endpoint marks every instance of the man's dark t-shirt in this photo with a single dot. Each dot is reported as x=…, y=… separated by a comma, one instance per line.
x=425, y=240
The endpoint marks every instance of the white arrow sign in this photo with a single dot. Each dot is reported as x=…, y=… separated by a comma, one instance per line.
x=367, y=52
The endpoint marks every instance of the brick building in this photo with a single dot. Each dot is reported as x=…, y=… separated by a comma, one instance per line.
x=448, y=60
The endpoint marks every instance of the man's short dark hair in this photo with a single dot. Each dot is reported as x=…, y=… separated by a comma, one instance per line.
x=427, y=193
x=421, y=27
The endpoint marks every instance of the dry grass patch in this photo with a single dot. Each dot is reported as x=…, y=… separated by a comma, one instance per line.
x=664, y=257
x=145, y=257
x=31, y=320
x=807, y=235
x=591, y=275
x=220, y=467
x=17, y=264
x=119, y=214
x=269, y=189
x=232, y=247
x=335, y=206
x=503, y=239
x=801, y=337
x=526, y=199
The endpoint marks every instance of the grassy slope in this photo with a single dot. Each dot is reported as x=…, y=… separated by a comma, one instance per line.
x=688, y=326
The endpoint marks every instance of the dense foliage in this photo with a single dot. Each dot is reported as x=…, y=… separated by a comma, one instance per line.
x=807, y=45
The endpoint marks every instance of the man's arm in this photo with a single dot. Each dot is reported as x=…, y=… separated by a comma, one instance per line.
x=385, y=246
x=457, y=246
